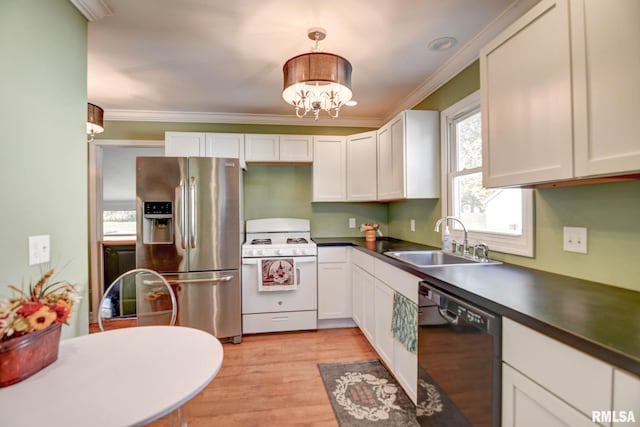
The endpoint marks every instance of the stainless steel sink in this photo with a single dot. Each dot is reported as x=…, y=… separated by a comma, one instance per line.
x=425, y=259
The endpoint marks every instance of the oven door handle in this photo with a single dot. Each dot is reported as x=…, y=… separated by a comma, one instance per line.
x=448, y=317
x=299, y=260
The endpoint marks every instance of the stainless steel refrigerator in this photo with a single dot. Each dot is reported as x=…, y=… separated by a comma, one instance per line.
x=188, y=229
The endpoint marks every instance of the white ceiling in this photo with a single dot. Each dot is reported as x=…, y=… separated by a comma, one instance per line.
x=206, y=60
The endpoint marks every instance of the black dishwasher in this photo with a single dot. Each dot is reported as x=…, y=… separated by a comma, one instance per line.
x=459, y=357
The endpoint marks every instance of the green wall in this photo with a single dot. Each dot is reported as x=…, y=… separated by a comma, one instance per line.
x=156, y=130
x=608, y=211
x=43, y=151
x=285, y=191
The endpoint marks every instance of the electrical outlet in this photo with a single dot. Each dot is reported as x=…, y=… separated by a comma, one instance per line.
x=352, y=223
x=575, y=239
x=412, y=224
x=39, y=249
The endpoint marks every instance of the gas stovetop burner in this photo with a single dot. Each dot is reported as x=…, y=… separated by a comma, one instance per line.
x=261, y=242
x=296, y=240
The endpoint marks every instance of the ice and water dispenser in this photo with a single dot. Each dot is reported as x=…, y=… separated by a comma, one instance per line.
x=157, y=223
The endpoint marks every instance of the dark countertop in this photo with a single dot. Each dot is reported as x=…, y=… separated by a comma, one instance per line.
x=600, y=320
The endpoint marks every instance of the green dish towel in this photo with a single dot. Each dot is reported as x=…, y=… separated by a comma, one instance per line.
x=404, y=323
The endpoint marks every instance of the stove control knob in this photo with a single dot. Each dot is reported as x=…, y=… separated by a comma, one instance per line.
x=258, y=252
x=303, y=251
x=279, y=252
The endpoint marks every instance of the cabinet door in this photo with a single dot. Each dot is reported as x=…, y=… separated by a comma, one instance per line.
x=606, y=68
x=405, y=369
x=369, y=313
x=525, y=83
x=230, y=145
x=334, y=294
x=626, y=396
x=357, y=295
x=384, y=342
x=261, y=148
x=526, y=404
x=329, y=169
x=296, y=148
x=397, y=159
x=184, y=144
x=384, y=160
x=361, y=167
x=391, y=160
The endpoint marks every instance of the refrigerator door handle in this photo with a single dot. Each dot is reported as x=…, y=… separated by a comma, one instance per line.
x=181, y=211
x=193, y=207
x=187, y=281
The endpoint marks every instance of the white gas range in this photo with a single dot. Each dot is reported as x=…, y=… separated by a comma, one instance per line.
x=279, y=276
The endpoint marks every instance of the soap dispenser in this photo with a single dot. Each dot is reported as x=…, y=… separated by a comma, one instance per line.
x=446, y=240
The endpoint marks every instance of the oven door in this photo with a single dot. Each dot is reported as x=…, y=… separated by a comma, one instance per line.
x=458, y=362
x=304, y=297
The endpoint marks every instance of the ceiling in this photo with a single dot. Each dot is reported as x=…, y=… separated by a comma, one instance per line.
x=221, y=61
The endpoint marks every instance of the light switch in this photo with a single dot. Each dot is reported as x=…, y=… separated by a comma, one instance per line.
x=39, y=249
x=575, y=239
x=352, y=223
x=412, y=225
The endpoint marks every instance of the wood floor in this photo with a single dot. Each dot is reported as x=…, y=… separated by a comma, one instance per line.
x=273, y=380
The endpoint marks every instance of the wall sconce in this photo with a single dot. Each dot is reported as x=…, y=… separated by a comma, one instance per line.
x=95, y=120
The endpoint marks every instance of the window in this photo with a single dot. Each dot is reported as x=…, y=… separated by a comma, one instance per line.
x=502, y=218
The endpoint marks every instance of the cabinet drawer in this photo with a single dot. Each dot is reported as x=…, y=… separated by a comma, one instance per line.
x=398, y=280
x=276, y=322
x=362, y=260
x=579, y=379
x=332, y=254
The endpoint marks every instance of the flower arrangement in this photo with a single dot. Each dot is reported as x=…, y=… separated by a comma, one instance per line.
x=44, y=305
x=368, y=227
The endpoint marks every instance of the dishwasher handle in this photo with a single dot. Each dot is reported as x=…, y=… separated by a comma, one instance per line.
x=457, y=311
x=447, y=315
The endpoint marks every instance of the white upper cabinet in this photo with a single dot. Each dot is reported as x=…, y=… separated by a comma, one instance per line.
x=361, y=167
x=296, y=148
x=229, y=145
x=200, y=144
x=262, y=148
x=329, y=169
x=606, y=66
x=408, y=157
x=185, y=144
x=279, y=148
x=559, y=91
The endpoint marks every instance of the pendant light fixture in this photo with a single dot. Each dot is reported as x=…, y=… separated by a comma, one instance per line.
x=317, y=81
x=95, y=120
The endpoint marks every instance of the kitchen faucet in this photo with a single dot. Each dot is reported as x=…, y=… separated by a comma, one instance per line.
x=465, y=244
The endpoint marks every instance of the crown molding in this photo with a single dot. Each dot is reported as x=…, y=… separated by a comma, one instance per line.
x=93, y=10
x=464, y=57
x=260, y=119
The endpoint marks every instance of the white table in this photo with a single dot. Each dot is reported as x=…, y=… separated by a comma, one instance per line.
x=123, y=377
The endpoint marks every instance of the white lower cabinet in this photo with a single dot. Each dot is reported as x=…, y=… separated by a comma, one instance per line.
x=334, y=290
x=369, y=313
x=626, y=398
x=383, y=315
x=527, y=404
x=373, y=284
x=358, y=277
x=546, y=382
